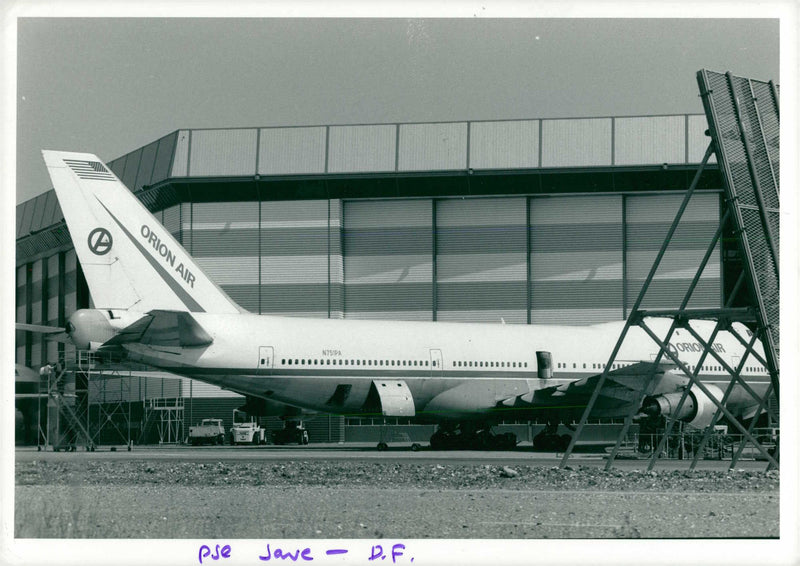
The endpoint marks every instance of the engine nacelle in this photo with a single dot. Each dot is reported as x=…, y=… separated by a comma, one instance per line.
x=698, y=409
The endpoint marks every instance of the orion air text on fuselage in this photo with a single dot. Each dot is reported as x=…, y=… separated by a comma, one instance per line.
x=169, y=257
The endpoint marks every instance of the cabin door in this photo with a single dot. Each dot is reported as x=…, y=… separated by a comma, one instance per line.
x=436, y=363
x=265, y=357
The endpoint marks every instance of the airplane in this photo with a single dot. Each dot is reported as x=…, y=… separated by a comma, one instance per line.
x=154, y=304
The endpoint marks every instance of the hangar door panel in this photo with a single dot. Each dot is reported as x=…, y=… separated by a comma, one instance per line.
x=387, y=248
x=224, y=242
x=576, y=259
x=480, y=260
x=648, y=220
x=295, y=243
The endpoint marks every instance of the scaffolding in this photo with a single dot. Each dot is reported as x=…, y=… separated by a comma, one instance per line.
x=166, y=416
x=108, y=414
x=743, y=117
x=62, y=424
x=86, y=401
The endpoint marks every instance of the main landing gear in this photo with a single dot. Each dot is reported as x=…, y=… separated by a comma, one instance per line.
x=471, y=436
x=549, y=439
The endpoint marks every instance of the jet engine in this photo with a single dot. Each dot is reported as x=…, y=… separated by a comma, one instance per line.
x=698, y=409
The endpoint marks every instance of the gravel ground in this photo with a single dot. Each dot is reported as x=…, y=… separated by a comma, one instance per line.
x=356, y=499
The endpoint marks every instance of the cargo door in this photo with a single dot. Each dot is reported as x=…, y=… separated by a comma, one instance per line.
x=395, y=397
x=265, y=358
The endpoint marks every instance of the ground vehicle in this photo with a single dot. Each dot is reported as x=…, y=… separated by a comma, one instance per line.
x=293, y=432
x=246, y=432
x=209, y=431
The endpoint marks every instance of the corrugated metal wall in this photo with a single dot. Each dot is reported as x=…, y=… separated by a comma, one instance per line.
x=648, y=220
x=697, y=141
x=216, y=153
x=432, y=146
x=180, y=160
x=659, y=139
x=51, y=347
x=576, y=143
x=362, y=149
x=504, y=145
x=131, y=169
x=295, y=243
x=576, y=259
x=21, y=308
x=224, y=242
x=336, y=259
x=481, y=271
x=37, y=342
x=163, y=158
x=70, y=282
x=287, y=151
x=388, y=259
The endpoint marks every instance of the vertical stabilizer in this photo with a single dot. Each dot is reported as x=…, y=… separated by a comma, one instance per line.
x=129, y=259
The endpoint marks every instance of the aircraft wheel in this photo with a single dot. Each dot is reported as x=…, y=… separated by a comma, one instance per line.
x=382, y=446
x=415, y=447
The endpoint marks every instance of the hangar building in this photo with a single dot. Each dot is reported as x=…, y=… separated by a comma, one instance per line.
x=539, y=221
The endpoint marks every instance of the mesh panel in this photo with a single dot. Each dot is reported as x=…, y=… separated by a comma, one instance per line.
x=748, y=145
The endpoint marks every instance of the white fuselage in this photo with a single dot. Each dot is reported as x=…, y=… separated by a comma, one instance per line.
x=453, y=370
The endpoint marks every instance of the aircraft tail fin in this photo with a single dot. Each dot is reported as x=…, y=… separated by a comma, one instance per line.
x=129, y=259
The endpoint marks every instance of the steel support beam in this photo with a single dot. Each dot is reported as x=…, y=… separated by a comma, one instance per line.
x=705, y=390
x=635, y=310
x=725, y=396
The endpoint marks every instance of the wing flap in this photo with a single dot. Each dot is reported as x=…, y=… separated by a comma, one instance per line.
x=622, y=387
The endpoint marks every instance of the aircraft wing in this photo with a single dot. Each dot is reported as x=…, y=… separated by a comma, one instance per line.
x=622, y=387
x=163, y=328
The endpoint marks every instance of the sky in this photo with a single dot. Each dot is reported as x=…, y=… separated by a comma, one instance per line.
x=111, y=85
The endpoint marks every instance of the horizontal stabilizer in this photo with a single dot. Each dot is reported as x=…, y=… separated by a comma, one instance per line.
x=38, y=328
x=51, y=333
x=164, y=328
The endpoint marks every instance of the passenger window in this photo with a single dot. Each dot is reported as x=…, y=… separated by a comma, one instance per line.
x=426, y=362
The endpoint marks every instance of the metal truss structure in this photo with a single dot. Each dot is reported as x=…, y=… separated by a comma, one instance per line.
x=166, y=416
x=69, y=419
x=744, y=124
